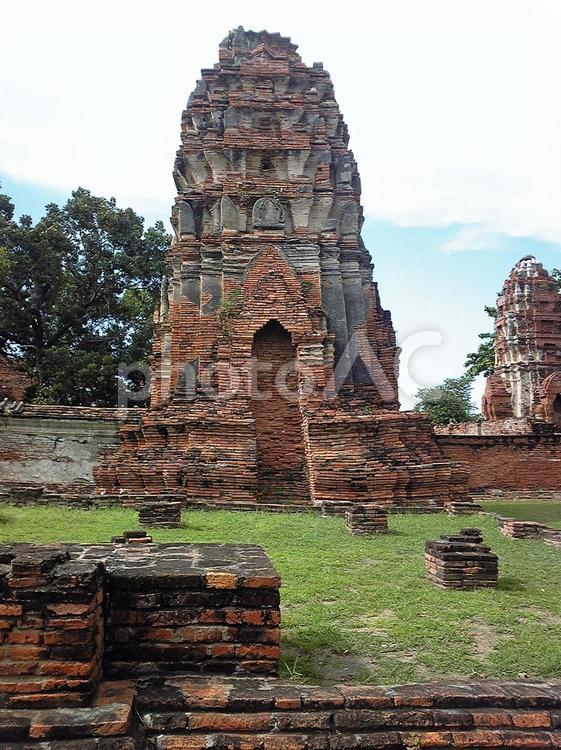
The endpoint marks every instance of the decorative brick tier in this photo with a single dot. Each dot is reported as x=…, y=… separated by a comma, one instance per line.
x=367, y=519
x=165, y=515
x=461, y=561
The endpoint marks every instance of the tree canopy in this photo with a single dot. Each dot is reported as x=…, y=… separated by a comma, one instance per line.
x=448, y=403
x=482, y=361
x=77, y=291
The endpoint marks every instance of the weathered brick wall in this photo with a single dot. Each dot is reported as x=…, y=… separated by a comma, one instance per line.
x=517, y=462
x=14, y=381
x=55, y=447
x=508, y=426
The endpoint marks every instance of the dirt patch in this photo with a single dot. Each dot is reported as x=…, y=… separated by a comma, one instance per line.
x=486, y=639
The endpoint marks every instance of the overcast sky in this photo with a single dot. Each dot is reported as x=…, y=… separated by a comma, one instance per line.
x=453, y=107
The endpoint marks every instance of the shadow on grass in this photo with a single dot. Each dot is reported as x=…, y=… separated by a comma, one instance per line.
x=509, y=583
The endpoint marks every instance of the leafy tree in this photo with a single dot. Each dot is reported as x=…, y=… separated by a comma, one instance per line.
x=482, y=361
x=77, y=291
x=449, y=402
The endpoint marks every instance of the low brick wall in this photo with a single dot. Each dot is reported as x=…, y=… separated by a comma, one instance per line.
x=507, y=462
x=218, y=713
x=266, y=715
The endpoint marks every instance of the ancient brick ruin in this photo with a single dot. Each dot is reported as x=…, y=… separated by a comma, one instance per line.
x=70, y=614
x=158, y=514
x=367, y=519
x=275, y=365
x=527, y=377
x=461, y=561
x=14, y=380
x=102, y=645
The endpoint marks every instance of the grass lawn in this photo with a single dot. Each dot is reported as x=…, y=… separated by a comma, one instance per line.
x=548, y=513
x=360, y=609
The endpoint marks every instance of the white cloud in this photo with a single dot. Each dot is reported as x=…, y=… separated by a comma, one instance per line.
x=475, y=237
x=453, y=107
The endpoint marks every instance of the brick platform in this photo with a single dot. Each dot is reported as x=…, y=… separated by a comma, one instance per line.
x=461, y=561
x=164, y=515
x=366, y=519
x=168, y=608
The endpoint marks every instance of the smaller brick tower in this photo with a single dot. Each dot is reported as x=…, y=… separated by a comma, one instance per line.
x=527, y=377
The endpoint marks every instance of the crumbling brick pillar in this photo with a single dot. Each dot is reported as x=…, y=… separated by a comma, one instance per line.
x=51, y=624
x=461, y=561
x=367, y=519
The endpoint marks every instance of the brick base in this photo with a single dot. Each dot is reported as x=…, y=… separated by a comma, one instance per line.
x=367, y=519
x=461, y=561
x=215, y=713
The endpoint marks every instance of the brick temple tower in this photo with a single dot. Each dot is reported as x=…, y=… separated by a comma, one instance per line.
x=275, y=365
x=527, y=377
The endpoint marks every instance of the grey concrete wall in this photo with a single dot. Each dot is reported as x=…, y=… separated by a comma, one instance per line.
x=52, y=453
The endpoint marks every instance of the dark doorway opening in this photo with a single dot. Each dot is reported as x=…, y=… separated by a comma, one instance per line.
x=281, y=459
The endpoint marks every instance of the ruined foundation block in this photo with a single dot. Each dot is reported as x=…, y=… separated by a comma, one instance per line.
x=461, y=561
x=366, y=519
x=51, y=627
x=164, y=515
x=192, y=607
x=515, y=529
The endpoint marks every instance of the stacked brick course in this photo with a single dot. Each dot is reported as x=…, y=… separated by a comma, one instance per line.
x=366, y=519
x=516, y=529
x=261, y=714
x=275, y=365
x=192, y=608
x=165, y=515
x=461, y=561
x=51, y=625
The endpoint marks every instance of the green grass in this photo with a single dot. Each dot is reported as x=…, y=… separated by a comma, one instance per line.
x=548, y=513
x=360, y=609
